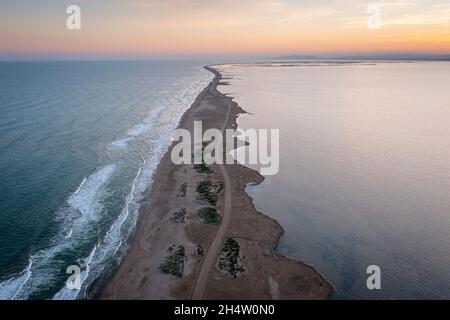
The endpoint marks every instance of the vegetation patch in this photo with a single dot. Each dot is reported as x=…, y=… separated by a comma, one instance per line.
x=229, y=259
x=209, y=192
x=179, y=216
x=209, y=215
x=200, y=252
x=202, y=168
x=174, y=262
x=182, y=192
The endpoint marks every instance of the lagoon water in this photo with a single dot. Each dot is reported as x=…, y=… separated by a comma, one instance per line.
x=364, y=169
x=79, y=142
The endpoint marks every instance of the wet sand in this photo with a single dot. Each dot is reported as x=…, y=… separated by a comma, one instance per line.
x=170, y=220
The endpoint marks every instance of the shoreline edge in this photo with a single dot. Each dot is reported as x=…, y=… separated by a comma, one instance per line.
x=266, y=274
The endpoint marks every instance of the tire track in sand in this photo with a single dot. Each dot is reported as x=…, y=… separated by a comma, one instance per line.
x=214, y=249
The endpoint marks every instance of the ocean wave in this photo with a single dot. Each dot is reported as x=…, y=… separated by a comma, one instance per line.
x=114, y=245
x=183, y=94
x=81, y=185
x=120, y=143
x=109, y=247
x=83, y=212
x=71, y=294
x=10, y=288
x=85, y=199
x=44, y=266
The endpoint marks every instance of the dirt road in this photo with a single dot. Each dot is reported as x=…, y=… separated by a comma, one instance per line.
x=214, y=249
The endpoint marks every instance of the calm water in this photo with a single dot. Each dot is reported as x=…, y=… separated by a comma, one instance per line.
x=78, y=144
x=364, y=170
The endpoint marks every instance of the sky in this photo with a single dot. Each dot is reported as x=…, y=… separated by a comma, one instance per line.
x=146, y=28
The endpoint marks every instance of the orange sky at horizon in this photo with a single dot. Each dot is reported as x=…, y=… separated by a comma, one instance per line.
x=197, y=27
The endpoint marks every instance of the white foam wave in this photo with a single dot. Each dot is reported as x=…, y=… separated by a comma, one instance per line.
x=114, y=243
x=121, y=143
x=11, y=287
x=105, y=249
x=42, y=269
x=183, y=94
x=69, y=234
x=71, y=294
x=139, y=129
x=83, y=212
x=81, y=184
x=85, y=199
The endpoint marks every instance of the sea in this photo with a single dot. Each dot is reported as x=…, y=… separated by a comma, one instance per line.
x=79, y=142
x=364, y=179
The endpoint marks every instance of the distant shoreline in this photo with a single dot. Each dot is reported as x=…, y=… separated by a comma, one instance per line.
x=380, y=57
x=264, y=274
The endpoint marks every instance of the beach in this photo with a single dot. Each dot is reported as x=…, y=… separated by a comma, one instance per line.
x=177, y=253
x=100, y=136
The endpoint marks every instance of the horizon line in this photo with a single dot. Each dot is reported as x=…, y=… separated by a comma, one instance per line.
x=248, y=58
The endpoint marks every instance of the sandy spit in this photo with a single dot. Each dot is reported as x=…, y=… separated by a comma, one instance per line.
x=170, y=218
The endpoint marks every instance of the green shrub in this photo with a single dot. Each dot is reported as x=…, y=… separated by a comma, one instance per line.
x=209, y=192
x=174, y=262
x=209, y=215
